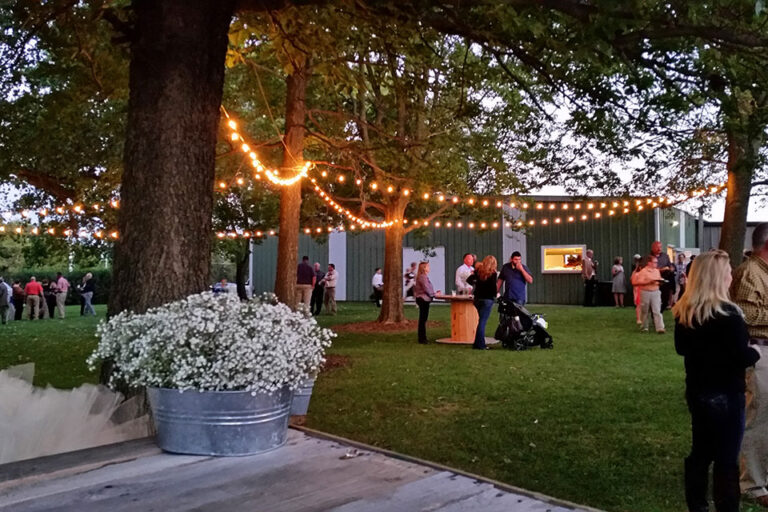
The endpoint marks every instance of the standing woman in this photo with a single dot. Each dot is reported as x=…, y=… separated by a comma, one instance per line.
x=711, y=334
x=485, y=289
x=619, y=285
x=424, y=293
x=88, y=287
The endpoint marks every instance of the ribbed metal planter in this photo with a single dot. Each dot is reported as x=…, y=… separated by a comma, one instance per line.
x=301, y=397
x=220, y=422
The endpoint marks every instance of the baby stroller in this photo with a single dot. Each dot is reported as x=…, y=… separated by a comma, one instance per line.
x=519, y=329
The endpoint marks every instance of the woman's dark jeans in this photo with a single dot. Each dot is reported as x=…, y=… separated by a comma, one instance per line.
x=423, y=315
x=717, y=427
x=484, y=307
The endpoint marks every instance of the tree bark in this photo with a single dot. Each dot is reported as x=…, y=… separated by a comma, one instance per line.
x=392, y=300
x=743, y=152
x=176, y=81
x=241, y=268
x=290, y=197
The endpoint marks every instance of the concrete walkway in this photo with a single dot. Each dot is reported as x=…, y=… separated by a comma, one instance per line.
x=309, y=474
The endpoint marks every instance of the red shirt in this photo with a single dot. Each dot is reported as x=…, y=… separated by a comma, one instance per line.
x=33, y=288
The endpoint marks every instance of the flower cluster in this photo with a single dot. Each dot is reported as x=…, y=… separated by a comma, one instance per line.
x=213, y=342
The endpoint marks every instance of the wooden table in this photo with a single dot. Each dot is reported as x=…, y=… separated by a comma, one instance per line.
x=463, y=319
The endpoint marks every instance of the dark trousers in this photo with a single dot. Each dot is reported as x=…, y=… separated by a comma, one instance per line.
x=378, y=293
x=19, y=305
x=717, y=427
x=423, y=315
x=484, y=307
x=589, y=291
x=316, y=301
x=667, y=289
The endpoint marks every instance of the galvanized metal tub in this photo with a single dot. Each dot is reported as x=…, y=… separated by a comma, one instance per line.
x=220, y=422
x=301, y=397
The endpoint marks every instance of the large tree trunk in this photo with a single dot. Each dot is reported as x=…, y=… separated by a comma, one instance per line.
x=392, y=300
x=290, y=197
x=742, y=160
x=241, y=268
x=176, y=80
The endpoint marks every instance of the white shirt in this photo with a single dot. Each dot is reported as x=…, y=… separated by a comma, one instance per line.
x=330, y=279
x=378, y=280
x=462, y=273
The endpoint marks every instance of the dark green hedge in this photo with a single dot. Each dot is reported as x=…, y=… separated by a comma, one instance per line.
x=102, y=278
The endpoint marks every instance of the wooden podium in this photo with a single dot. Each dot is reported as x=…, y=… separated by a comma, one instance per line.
x=463, y=319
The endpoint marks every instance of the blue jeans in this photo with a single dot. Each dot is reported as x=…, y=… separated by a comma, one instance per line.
x=717, y=426
x=88, y=296
x=484, y=307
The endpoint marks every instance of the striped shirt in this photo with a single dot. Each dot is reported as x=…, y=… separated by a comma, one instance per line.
x=749, y=291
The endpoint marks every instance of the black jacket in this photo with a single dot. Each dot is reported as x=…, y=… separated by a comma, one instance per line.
x=716, y=353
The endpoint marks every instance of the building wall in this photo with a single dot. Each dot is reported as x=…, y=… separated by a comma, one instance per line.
x=620, y=235
x=623, y=235
x=691, y=231
x=265, y=259
x=365, y=252
x=711, y=238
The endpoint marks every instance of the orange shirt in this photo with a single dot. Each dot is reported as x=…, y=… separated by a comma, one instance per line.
x=33, y=288
x=647, y=279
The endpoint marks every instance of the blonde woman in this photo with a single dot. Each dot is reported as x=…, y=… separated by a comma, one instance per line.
x=86, y=292
x=424, y=293
x=711, y=334
x=484, y=283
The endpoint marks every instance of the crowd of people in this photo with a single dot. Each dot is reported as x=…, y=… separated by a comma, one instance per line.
x=481, y=279
x=315, y=288
x=43, y=299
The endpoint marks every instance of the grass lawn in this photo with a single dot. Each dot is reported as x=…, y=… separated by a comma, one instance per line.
x=599, y=420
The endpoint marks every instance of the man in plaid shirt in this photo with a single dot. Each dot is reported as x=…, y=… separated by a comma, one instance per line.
x=750, y=291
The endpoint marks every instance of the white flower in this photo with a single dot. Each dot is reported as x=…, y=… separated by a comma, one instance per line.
x=213, y=342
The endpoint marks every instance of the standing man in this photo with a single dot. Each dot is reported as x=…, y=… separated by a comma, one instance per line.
x=749, y=291
x=5, y=300
x=62, y=287
x=11, y=308
x=667, y=271
x=316, y=302
x=34, y=293
x=462, y=273
x=515, y=276
x=377, y=282
x=305, y=282
x=589, y=274
x=329, y=282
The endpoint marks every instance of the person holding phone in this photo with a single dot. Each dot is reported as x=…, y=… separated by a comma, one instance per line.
x=515, y=277
x=648, y=279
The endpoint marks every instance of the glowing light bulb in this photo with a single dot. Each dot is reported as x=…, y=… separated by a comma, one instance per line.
x=341, y=178
x=232, y=124
x=390, y=189
x=426, y=195
x=374, y=186
x=485, y=202
x=235, y=137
